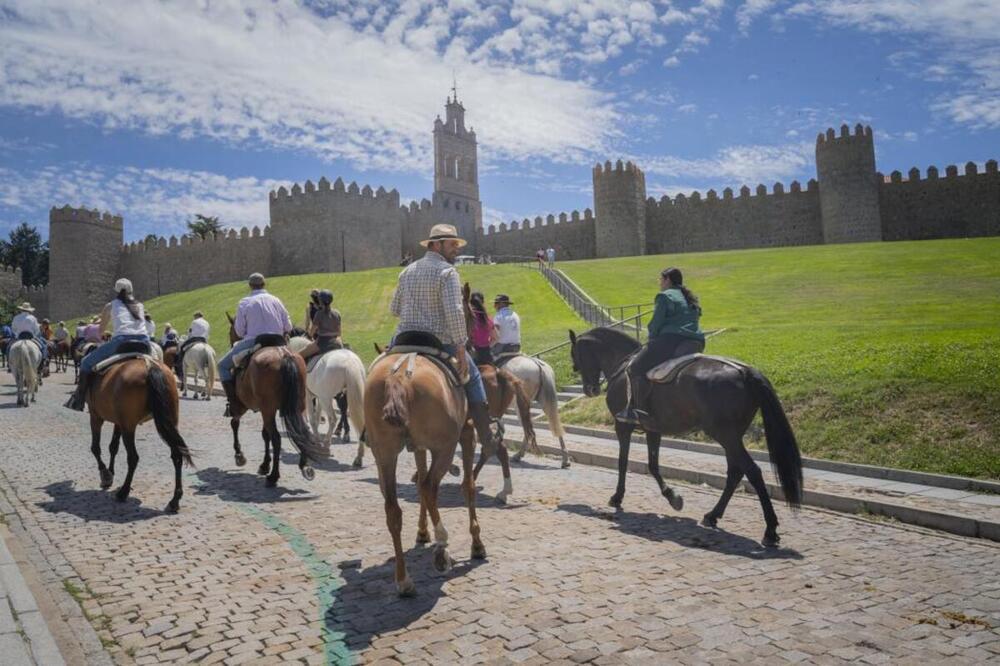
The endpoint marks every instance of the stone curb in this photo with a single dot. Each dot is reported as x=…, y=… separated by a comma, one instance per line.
x=952, y=523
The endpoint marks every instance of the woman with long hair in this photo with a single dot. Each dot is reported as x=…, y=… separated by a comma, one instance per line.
x=482, y=334
x=127, y=320
x=673, y=331
x=324, y=328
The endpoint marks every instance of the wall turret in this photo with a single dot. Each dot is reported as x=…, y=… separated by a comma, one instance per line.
x=84, y=249
x=620, y=209
x=456, y=175
x=848, y=186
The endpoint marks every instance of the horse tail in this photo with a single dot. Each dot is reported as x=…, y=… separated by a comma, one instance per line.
x=396, y=411
x=165, y=412
x=523, y=405
x=355, y=372
x=290, y=409
x=550, y=401
x=210, y=376
x=781, y=445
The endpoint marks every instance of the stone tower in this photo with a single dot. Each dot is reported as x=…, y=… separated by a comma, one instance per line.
x=84, y=251
x=848, y=186
x=620, y=210
x=456, y=173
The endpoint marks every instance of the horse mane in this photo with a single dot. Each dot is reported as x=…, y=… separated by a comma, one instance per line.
x=614, y=338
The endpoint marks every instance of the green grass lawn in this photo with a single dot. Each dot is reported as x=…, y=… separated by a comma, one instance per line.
x=363, y=300
x=883, y=353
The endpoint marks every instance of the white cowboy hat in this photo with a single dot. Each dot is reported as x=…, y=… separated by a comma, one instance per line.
x=123, y=284
x=443, y=232
x=25, y=307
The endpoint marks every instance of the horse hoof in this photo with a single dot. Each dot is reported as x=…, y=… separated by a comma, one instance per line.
x=308, y=473
x=453, y=470
x=271, y=483
x=406, y=589
x=770, y=540
x=357, y=463
x=107, y=478
x=121, y=495
x=240, y=460
x=501, y=499
x=709, y=520
x=565, y=464
x=478, y=551
x=346, y=439
x=615, y=502
x=263, y=469
x=423, y=537
x=675, y=499
x=442, y=560
x=173, y=507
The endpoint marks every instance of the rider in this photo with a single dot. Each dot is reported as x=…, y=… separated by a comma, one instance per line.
x=92, y=332
x=46, y=329
x=673, y=332
x=429, y=298
x=197, y=332
x=260, y=313
x=311, y=309
x=483, y=333
x=169, y=337
x=508, y=325
x=324, y=329
x=125, y=316
x=25, y=326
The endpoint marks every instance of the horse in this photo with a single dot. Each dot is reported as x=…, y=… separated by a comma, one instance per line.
x=718, y=396
x=298, y=341
x=199, y=361
x=539, y=382
x=273, y=383
x=502, y=389
x=127, y=394
x=78, y=353
x=337, y=373
x=25, y=356
x=156, y=351
x=418, y=408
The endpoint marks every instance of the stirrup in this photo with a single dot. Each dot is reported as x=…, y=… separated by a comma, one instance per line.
x=631, y=415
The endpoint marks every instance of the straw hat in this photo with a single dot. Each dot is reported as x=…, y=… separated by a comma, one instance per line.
x=25, y=307
x=441, y=232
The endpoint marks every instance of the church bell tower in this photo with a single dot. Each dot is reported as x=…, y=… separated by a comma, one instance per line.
x=456, y=172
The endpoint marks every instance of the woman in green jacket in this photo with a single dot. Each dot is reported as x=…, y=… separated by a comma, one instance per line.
x=673, y=332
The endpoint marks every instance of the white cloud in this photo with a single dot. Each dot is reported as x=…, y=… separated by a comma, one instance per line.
x=735, y=165
x=687, y=108
x=672, y=61
x=750, y=10
x=157, y=201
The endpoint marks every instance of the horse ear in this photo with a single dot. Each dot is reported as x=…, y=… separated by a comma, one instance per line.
x=572, y=336
x=230, y=318
x=466, y=292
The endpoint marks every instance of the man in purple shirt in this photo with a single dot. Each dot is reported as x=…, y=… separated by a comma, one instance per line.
x=260, y=313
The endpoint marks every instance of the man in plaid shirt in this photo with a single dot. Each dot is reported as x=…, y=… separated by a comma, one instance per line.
x=428, y=298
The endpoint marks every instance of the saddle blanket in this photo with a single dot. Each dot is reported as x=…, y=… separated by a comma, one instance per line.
x=667, y=371
x=408, y=354
x=313, y=360
x=118, y=358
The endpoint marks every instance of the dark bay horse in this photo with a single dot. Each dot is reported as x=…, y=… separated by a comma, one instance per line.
x=502, y=389
x=128, y=394
x=274, y=383
x=717, y=398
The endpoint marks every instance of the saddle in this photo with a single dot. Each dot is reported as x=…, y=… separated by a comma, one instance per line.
x=410, y=344
x=313, y=360
x=26, y=335
x=667, y=371
x=242, y=359
x=126, y=351
x=501, y=359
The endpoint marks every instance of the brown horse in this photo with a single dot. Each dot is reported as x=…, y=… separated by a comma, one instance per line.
x=169, y=357
x=420, y=409
x=274, y=383
x=128, y=394
x=79, y=351
x=60, y=354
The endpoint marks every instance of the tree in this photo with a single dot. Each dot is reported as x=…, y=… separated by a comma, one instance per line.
x=25, y=250
x=203, y=226
x=150, y=239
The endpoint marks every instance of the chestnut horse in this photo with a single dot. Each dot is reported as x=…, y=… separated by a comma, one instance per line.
x=416, y=407
x=274, y=383
x=128, y=394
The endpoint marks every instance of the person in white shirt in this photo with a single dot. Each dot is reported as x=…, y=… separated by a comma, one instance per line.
x=150, y=327
x=550, y=254
x=508, y=326
x=25, y=326
x=197, y=332
x=126, y=318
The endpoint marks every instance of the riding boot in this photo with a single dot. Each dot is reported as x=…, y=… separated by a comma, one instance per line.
x=179, y=367
x=78, y=400
x=231, y=399
x=483, y=424
x=634, y=411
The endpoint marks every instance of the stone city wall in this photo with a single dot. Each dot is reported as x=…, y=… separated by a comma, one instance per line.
x=953, y=206
x=10, y=282
x=571, y=235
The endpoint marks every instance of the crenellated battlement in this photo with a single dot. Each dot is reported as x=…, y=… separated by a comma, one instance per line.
x=92, y=216
x=971, y=169
x=539, y=221
x=618, y=167
x=862, y=135
x=728, y=195
x=164, y=243
x=324, y=191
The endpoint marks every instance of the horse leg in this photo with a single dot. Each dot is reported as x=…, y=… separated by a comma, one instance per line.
x=468, y=443
x=386, y=461
x=484, y=455
x=624, y=432
x=653, y=446
x=95, y=447
x=312, y=409
x=272, y=478
x=360, y=457
x=756, y=479
x=331, y=416
x=116, y=439
x=508, y=487
x=565, y=453
x=265, y=466
x=420, y=457
x=343, y=425
x=429, y=495
x=237, y=450
x=133, y=462
x=733, y=475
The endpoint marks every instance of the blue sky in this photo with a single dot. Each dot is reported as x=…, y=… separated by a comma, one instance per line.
x=159, y=110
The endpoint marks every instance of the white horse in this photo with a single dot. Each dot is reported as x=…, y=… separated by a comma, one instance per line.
x=24, y=358
x=338, y=371
x=199, y=361
x=539, y=382
x=156, y=351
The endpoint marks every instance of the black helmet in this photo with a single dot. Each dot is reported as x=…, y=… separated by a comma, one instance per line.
x=326, y=297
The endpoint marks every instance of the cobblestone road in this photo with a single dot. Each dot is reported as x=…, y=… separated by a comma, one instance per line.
x=245, y=574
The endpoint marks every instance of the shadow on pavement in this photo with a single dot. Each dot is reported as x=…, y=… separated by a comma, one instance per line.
x=95, y=504
x=449, y=494
x=367, y=604
x=232, y=486
x=683, y=531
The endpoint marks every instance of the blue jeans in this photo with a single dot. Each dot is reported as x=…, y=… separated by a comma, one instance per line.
x=226, y=365
x=474, y=389
x=108, y=349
